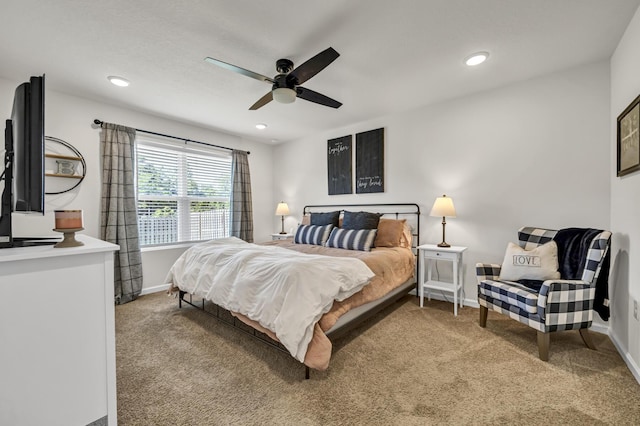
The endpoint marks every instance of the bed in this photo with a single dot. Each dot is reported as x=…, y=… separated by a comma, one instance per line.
x=345, y=275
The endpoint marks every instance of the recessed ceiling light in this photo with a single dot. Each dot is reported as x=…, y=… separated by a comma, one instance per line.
x=476, y=59
x=261, y=126
x=118, y=81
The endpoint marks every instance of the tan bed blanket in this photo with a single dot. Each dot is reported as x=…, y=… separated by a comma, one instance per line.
x=392, y=267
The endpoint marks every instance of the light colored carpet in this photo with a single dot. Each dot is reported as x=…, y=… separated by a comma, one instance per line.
x=409, y=366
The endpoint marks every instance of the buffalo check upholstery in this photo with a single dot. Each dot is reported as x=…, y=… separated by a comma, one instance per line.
x=559, y=304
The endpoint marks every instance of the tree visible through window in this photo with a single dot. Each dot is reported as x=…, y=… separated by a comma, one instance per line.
x=183, y=191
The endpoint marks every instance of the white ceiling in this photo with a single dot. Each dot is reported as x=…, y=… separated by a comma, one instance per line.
x=395, y=55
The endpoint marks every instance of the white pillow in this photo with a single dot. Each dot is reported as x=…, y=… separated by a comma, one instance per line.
x=541, y=263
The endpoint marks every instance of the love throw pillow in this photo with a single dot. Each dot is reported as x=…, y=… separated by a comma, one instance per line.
x=541, y=263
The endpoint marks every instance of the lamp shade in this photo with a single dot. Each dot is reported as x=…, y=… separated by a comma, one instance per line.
x=284, y=95
x=443, y=207
x=282, y=209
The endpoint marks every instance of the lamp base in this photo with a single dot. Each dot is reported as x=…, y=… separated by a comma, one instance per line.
x=69, y=238
x=444, y=241
x=283, y=233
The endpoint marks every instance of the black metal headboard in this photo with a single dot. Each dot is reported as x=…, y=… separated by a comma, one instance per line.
x=409, y=211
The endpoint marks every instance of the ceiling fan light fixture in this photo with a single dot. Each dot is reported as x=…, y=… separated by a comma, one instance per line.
x=476, y=58
x=284, y=95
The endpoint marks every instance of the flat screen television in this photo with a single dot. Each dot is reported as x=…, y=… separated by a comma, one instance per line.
x=28, y=147
x=24, y=161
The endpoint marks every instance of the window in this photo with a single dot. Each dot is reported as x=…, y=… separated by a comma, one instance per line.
x=184, y=192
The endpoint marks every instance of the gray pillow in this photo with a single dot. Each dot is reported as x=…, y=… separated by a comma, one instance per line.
x=360, y=220
x=321, y=219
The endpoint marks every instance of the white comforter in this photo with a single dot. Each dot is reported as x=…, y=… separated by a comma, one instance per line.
x=285, y=291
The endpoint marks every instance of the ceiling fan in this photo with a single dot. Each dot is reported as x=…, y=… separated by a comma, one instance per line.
x=286, y=85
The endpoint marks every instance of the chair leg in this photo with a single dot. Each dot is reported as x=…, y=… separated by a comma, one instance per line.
x=543, y=345
x=484, y=311
x=586, y=338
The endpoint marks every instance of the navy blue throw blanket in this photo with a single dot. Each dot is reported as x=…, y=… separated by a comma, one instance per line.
x=573, y=245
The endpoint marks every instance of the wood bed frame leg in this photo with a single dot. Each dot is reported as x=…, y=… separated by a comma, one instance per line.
x=306, y=372
x=484, y=311
x=586, y=338
x=543, y=345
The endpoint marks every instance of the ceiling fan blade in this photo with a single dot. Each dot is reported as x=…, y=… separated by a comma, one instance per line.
x=239, y=70
x=262, y=101
x=311, y=96
x=312, y=67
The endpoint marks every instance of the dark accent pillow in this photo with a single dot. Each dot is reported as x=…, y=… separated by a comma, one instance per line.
x=360, y=220
x=312, y=234
x=352, y=239
x=330, y=218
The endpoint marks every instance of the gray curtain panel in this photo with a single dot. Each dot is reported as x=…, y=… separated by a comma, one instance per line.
x=119, y=218
x=241, y=207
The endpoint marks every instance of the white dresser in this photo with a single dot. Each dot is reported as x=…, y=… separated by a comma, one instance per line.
x=57, y=335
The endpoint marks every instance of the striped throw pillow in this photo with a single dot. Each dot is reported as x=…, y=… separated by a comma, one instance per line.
x=312, y=234
x=352, y=239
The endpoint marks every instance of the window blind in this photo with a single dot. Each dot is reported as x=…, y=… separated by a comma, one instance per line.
x=183, y=192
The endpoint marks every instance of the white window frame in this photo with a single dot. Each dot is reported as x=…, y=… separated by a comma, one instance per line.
x=182, y=199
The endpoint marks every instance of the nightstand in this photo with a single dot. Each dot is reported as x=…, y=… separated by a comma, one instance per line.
x=428, y=255
x=275, y=237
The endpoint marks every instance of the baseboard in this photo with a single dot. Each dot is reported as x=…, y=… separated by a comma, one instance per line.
x=448, y=297
x=154, y=289
x=631, y=364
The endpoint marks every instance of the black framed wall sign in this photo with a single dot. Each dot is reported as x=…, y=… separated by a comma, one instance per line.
x=339, y=165
x=370, y=161
x=628, y=140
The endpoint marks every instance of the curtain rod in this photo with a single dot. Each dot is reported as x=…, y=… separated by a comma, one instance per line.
x=100, y=122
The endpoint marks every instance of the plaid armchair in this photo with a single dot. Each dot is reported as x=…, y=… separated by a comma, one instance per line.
x=558, y=305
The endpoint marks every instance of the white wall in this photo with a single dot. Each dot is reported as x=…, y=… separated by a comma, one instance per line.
x=70, y=118
x=625, y=204
x=527, y=154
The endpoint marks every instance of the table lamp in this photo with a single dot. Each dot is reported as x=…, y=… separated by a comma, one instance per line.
x=282, y=210
x=443, y=206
